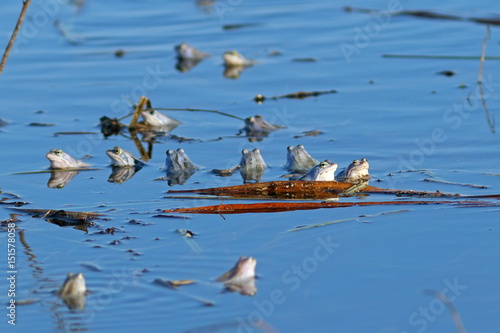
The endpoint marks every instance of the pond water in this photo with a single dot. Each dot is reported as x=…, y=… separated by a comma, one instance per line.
x=366, y=274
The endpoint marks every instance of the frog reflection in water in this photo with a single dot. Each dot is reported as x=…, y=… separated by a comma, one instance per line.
x=73, y=291
x=60, y=160
x=252, y=165
x=122, y=158
x=357, y=170
x=324, y=171
x=188, y=57
x=179, y=166
x=241, y=277
x=60, y=178
x=298, y=160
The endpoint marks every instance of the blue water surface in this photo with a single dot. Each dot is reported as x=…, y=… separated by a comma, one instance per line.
x=366, y=273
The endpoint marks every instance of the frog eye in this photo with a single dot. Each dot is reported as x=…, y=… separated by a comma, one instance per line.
x=323, y=164
x=58, y=152
x=117, y=150
x=152, y=112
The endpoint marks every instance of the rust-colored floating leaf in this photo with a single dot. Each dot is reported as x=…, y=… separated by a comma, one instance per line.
x=303, y=190
x=270, y=207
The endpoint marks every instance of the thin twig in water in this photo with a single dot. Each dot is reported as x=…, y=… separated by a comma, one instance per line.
x=143, y=104
x=426, y=56
x=186, y=109
x=304, y=227
x=453, y=183
x=26, y=3
x=200, y=110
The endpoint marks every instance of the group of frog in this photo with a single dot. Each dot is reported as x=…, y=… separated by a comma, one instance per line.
x=299, y=163
x=240, y=278
x=188, y=56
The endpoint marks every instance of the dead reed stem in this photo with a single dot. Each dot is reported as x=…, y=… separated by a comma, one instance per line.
x=26, y=3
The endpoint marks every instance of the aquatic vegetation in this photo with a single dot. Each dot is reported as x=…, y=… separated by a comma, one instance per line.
x=296, y=95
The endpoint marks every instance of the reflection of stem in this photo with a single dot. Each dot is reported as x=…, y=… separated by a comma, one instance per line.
x=144, y=154
x=449, y=305
x=489, y=119
x=26, y=3
x=31, y=256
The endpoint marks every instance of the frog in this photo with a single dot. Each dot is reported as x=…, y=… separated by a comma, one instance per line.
x=241, y=277
x=122, y=158
x=61, y=160
x=178, y=161
x=157, y=119
x=324, y=171
x=357, y=170
x=257, y=126
x=73, y=291
x=188, y=57
x=235, y=59
x=73, y=286
x=252, y=165
x=188, y=52
x=179, y=166
x=299, y=160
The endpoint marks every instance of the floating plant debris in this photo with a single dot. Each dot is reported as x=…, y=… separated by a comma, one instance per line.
x=302, y=190
x=446, y=73
x=61, y=214
x=452, y=183
x=296, y=95
x=273, y=207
